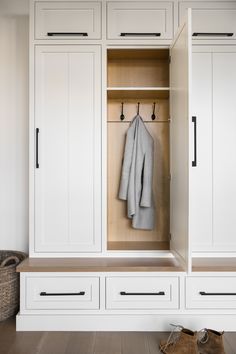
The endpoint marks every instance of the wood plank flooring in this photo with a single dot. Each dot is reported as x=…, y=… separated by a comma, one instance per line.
x=12, y=342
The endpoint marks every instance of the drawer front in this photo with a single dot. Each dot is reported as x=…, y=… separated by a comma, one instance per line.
x=61, y=293
x=211, y=292
x=216, y=18
x=67, y=20
x=142, y=293
x=137, y=20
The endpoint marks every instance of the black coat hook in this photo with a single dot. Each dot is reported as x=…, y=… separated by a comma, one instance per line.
x=122, y=117
x=153, y=112
x=138, y=108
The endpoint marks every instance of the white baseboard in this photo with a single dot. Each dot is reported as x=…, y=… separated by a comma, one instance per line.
x=122, y=322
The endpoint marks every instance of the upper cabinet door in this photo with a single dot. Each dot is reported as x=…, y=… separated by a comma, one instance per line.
x=68, y=149
x=67, y=19
x=180, y=85
x=211, y=20
x=140, y=20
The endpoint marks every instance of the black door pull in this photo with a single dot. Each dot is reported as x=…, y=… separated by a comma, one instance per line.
x=159, y=293
x=54, y=34
x=136, y=34
x=37, y=148
x=194, y=162
x=203, y=293
x=44, y=293
x=213, y=34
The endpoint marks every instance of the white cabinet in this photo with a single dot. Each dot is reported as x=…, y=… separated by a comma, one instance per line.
x=51, y=292
x=135, y=20
x=142, y=292
x=68, y=149
x=211, y=292
x=67, y=20
x=213, y=193
x=211, y=19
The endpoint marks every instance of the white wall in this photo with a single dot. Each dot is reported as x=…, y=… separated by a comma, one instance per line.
x=14, y=124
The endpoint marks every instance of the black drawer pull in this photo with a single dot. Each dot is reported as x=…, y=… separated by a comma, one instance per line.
x=125, y=293
x=54, y=34
x=136, y=34
x=209, y=34
x=37, y=148
x=43, y=293
x=203, y=293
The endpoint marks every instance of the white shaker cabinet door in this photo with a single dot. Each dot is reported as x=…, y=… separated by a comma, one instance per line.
x=201, y=174
x=180, y=93
x=224, y=150
x=68, y=160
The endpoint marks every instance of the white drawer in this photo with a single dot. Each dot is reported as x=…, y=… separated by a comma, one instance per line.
x=62, y=292
x=145, y=19
x=211, y=292
x=211, y=17
x=72, y=19
x=142, y=293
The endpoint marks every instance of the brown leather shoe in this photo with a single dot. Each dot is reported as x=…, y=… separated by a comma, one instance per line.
x=184, y=343
x=211, y=343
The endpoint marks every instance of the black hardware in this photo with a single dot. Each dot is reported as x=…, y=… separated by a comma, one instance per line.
x=153, y=112
x=209, y=34
x=138, y=108
x=54, y=34
x=122, y=117
x=203, y=293
x=43, y=293
x=37, y=147
x=125, y=293
x=194, y=162
x=136, y=34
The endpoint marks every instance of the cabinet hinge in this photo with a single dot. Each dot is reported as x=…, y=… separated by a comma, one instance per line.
x=169, y=177
x=169, y=59
x=170, y=236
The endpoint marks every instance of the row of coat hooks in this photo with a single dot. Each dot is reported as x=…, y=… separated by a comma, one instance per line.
x=153, y=116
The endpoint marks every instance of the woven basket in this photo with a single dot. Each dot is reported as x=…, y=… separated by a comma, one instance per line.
x=9, y=283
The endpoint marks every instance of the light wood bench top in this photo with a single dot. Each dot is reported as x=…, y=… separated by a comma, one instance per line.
x=100, y=265
x=214, y=264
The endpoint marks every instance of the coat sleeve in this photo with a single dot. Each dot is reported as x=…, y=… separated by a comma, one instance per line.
x=146, y=197
x=125, y=174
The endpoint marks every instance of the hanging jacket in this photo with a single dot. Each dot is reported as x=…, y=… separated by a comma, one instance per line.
x=137, y=175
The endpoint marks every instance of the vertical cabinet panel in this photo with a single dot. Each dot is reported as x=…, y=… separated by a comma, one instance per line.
x=201, y=175
x=68, y=180
x=180, y=79
x=224, y=148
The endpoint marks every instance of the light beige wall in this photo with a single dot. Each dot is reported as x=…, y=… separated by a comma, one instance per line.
x=14, y=23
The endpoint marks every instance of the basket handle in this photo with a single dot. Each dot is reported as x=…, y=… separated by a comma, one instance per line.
x=8, y=259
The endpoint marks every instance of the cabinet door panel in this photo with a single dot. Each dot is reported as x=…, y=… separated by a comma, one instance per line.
x=180, y=84
x=67, y=20
x=201, y=175
x=224, y=148
x=139, y=20
x=67, y=182
x=211, y=17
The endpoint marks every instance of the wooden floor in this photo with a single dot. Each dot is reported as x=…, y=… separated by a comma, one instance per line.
x=12, y=342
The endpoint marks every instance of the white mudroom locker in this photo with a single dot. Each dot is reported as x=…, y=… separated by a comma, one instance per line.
x=95, y=65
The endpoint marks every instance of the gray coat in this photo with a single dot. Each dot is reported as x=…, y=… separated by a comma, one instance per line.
x=137, y=175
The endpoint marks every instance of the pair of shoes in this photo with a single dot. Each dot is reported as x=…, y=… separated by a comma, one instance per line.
x=187, y=342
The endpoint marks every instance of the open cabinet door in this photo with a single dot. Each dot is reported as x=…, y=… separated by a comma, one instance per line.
x=181, y=121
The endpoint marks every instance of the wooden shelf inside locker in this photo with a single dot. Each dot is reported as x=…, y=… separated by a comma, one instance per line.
x=138, y=92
